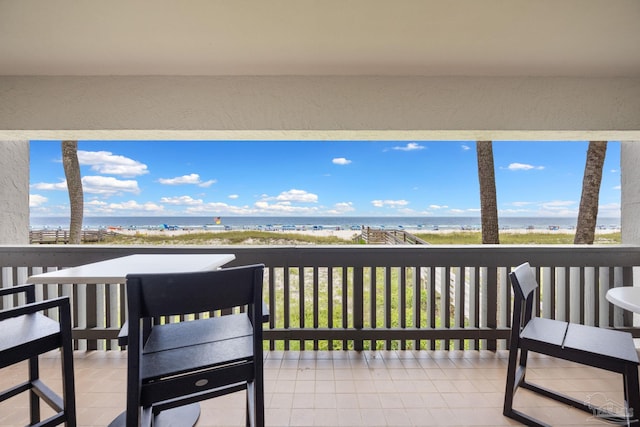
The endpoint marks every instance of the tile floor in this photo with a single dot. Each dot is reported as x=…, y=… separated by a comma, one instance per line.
x=394, y=388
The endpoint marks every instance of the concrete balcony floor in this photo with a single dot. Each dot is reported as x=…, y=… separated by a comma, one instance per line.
x=382, y=388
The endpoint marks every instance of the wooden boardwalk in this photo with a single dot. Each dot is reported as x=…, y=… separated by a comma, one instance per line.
x=62, y=236
x=390, y=237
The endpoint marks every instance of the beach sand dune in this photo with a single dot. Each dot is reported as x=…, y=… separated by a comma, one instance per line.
x=342, y=234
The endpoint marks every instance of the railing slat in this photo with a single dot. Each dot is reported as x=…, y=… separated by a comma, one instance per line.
x=417, y=301
x=388, y=307
x=345, y=304
x=315, y=303
x=402, y=302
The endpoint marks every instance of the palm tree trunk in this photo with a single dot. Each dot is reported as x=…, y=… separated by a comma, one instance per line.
x=588, y=213
x=74, y=187
x=488, y=199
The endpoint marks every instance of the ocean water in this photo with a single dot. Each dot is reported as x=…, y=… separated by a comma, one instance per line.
x=331, y=222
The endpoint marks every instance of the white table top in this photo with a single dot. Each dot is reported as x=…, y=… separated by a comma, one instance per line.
x=115, y=270
x=627, y=297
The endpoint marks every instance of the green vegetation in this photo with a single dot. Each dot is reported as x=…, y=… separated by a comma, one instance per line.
x=249, y=237
x=475, y=238
x=326, y=301
x=254, y=237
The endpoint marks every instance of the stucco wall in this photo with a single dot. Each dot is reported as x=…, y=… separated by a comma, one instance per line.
x=14, y=192
x=301, y=107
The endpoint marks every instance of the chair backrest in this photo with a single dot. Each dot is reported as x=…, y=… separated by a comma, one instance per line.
x=524, y=283
x=523, y=280
x=185, y=293
x=155, y=295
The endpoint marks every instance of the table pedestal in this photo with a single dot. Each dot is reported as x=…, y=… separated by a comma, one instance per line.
x=181, y=416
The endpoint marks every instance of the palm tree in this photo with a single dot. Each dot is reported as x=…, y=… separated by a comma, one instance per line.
x=74, y=187
x=588, y=213
x=488, y=199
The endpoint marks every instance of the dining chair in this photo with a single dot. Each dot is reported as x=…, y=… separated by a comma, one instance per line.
x=587, y=345
x=26, y=332
x=204, y=356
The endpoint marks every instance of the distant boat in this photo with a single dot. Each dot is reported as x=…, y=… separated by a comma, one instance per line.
x=554, y=227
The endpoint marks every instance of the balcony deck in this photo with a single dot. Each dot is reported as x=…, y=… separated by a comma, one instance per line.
x=349, y=388
x=438, y=299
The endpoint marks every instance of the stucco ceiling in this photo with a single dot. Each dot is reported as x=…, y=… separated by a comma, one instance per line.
x=323, y=37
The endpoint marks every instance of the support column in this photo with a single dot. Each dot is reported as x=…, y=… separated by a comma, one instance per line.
x=630, y=201
x=14, y=192
x=630, y=198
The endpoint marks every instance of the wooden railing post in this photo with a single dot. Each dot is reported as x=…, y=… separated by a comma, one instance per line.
x=492, y=304
x=358, y=304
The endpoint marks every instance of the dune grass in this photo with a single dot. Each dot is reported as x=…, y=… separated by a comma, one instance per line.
x=475, y=238
x=255, y=237
x=249, y=237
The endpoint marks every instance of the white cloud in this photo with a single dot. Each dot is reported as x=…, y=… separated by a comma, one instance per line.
x=617, y=187
x=181, y=200
x=133, y=205
x=512, y=211
x=438, y=207
x=340, y=161
x=94, y=184
x=294, y=195
x=108, y=163
x=609, y=210
x=193, y=178
x=411, y=146
x=523, y=167
x=96, y=203
x=108, y=186
x=557, y=204
x=558, y=208
x=58, y=186
x=519, y=204
x=233, y=196
x=341, y=208
x=291, y=202
x=36, y=200
x=284, y=208
x=218, y=209
x=465, y=147
x=389, y=203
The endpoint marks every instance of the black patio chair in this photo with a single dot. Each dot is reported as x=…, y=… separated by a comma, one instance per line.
x=588, y=345
x=175, y=364
x=26, y=333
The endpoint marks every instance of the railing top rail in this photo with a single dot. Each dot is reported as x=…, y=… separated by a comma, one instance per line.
x=347, y=255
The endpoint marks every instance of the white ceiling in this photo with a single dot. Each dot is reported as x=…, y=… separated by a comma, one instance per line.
x=323, y=37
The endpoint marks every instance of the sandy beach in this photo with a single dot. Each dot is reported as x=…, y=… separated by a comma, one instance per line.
x=341, y=233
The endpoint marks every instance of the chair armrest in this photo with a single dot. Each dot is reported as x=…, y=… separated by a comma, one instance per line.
x=123, y=335
x=34, y=307
x=18, y=289
x=265, y=312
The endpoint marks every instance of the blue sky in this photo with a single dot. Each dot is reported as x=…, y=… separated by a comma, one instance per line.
x=345, y=178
